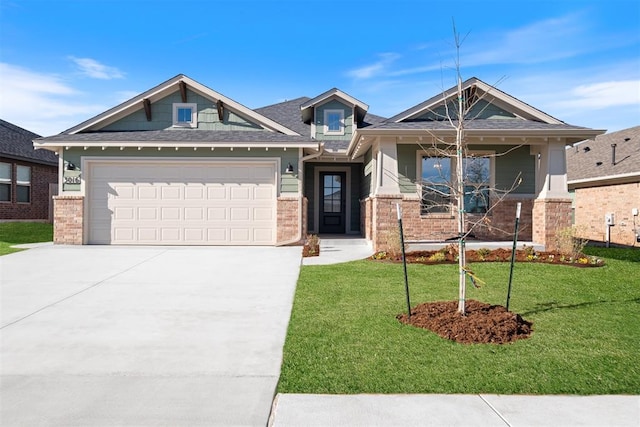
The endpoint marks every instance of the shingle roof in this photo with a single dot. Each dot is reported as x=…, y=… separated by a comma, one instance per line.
x=17, y=143
x=180, y=135
x=593, y=159
x=476, y=124
x=288, y=114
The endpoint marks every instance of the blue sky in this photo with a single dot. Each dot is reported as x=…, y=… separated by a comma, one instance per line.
x=64, y=61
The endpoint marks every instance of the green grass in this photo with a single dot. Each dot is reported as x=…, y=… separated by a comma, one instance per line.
x=15, y=233
x=343, y=336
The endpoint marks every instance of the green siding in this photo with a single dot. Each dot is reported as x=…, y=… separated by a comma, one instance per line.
x=348, y=121
x=482, y=110
x=407, y=167
x=162, y=116
x=368, y=174
x=289, y=182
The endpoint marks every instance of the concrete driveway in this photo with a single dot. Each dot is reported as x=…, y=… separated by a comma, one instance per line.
x=98, y=335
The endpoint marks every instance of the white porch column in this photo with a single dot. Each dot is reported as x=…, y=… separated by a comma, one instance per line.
x=551, y=173
x=387, y=167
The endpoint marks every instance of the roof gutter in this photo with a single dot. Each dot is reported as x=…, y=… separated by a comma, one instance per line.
x=301, y=174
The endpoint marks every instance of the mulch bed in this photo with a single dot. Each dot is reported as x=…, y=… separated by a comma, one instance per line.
x=449, y=256
x=483, y=323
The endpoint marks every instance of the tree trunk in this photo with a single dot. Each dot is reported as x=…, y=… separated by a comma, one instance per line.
x=460, y=199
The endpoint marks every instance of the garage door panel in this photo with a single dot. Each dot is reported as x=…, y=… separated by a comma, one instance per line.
x=170, y=192
x=170, y=213
x=240, y=193
x=263, y=214
x=147, y=192
x=193, y=192
x=193, y=214
x=123, y=213
x=179, y=203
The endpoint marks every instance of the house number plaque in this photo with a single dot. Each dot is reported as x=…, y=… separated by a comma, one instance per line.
x=72, y=179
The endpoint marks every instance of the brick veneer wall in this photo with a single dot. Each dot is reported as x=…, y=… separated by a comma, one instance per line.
x=549, y=217
x=288, y=217
x=68, y=220
x=38, y=208
x=592, y=204
x=379, y=218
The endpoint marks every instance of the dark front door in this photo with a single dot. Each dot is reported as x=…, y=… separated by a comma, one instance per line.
x=332, y=202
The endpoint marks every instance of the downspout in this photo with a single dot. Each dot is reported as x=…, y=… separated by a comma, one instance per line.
x=301, y=174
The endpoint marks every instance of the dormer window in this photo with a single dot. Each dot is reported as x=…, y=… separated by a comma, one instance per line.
x=185, y=115
x=334, y=122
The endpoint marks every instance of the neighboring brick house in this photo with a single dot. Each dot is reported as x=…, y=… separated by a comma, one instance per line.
x=604, y=175
x=182, y=164
x=28, y=177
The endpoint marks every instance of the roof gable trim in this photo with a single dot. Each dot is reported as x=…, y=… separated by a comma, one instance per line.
x=489, y=93
x=166, y=88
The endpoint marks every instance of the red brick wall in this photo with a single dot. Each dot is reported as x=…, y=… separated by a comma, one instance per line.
x=288, y=217
x=68, y=216
x=549, y=217
x=592, y=204
x=379, y=218
x=38, y=208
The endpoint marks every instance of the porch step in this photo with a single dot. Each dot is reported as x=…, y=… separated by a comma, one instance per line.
x=332, y=241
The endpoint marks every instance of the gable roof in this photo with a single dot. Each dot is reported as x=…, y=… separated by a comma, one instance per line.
x=592, y=162
x=162, y=90
x=522, y=121
x=490, y=93
x=334, y=93
x=17, y=143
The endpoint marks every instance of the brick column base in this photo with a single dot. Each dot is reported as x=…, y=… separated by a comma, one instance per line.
x=289, y=217
x=384, y=219
x=68, y=220
x=549, y=217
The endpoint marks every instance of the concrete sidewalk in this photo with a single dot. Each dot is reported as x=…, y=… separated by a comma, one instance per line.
x=374, y=410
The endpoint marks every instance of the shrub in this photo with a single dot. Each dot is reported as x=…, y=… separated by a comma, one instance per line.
x=482, y=253
x=438, y=257
x=568, y=242
x=392, y=243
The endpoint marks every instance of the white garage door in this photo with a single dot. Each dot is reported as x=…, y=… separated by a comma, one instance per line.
x=182, y=203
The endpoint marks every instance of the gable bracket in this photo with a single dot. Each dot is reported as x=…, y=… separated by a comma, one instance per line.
x=183, y=91
x=220, y=108
x=147, y=108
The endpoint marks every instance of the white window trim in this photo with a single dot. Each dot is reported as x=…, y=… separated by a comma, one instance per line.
x=194, y=115
x=326, y=122
x=454, y=168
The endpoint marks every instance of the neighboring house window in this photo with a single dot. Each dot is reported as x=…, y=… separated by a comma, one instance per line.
x=185, y=115
x=438, y=178
x=334, y=122
x=5, y=182
x=23, y=184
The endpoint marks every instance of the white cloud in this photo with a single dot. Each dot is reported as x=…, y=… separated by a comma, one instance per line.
x=42, y=103
x=603, y=95
x=376, y=69
x=94, y=69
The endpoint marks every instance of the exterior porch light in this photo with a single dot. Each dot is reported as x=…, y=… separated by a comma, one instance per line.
x=289, y=168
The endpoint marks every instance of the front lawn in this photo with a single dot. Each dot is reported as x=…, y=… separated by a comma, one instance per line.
x=343, y=335
x=15, y=233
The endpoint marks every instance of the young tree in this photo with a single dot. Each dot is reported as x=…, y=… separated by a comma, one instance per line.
x=469, y=187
